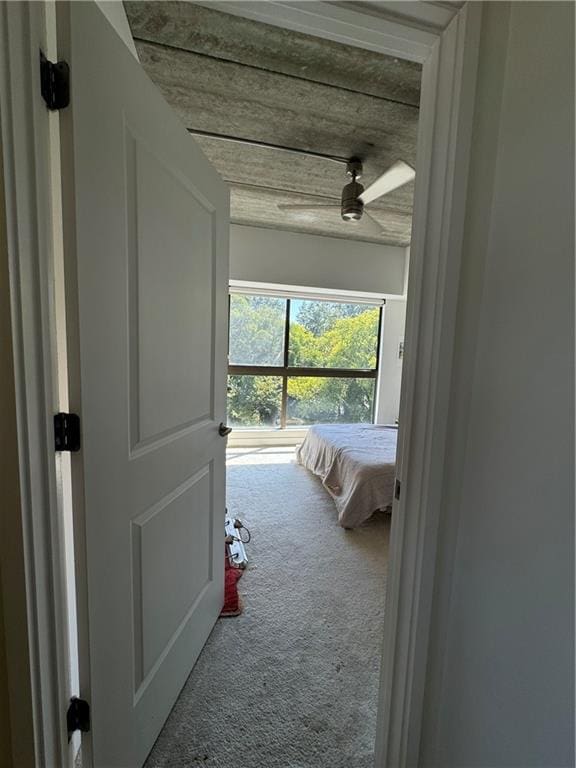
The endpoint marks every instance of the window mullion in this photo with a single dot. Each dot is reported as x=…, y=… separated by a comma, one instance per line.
x=284, y=402
x=286, y=358
x=378, y=372
x=334, y=373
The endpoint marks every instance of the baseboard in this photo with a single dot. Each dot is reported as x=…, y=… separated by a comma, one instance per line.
x=261, y=438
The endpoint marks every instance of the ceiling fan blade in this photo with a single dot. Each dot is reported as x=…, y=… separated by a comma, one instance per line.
x=396, y=176
x=301, y=207
x=370, y=225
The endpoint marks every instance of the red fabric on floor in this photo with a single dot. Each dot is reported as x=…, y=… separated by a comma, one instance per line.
x=232, y=605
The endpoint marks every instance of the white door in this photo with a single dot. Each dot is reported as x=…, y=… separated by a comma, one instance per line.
x=146, y=228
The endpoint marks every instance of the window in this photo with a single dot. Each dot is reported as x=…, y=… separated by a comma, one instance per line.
x=295, y=362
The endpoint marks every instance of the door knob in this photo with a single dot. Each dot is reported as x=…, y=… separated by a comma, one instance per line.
x=223, y=430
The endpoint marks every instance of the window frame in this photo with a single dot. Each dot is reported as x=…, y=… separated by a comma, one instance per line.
x=286, y=371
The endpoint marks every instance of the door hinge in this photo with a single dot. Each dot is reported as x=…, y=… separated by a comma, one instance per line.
x=66, y=432
x=54, y=83
x=78, y=716
x=397, y=487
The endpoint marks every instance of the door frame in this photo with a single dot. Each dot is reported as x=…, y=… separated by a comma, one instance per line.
x=27, y=139
x=445, y=41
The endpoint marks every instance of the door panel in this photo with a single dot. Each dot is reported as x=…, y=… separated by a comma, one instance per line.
x=172, y=297
x=166, y=542
x=146, y=234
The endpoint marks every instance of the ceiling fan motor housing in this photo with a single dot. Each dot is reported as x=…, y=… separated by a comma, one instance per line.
x=352, y=206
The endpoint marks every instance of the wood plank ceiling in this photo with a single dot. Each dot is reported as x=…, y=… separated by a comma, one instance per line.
x=280, y=112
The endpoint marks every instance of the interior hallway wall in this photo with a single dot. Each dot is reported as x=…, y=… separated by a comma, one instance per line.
x=16, y=736
x=5, y=735
x=500, y=680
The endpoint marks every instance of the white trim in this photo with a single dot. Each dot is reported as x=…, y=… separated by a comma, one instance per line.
x=380, y=372
x=254, y=438
x=449, y=60
x=339, y=23
x=26, y=142
x=245, y=288
x=449, y=80
x=426, y=15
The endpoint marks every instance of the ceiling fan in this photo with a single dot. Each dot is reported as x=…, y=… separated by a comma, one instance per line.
x=355, y=197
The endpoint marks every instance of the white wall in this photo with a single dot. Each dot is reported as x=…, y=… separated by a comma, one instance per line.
x=388, y=400
x=16, y=695
x=295, y=259
x=500, y=685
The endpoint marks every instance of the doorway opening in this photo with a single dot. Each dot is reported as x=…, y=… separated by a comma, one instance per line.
x=317, y=312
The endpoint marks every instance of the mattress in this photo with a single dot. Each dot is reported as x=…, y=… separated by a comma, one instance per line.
x=356, y=464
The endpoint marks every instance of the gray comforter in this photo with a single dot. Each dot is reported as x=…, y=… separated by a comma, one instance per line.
x=356, y=463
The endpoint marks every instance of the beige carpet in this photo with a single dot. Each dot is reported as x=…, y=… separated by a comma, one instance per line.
x=292, y=683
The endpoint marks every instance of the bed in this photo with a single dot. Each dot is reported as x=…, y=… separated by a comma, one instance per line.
x=356, y=463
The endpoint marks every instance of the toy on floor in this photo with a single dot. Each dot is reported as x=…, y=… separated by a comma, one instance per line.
x=235, y=563
x=235, y=542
